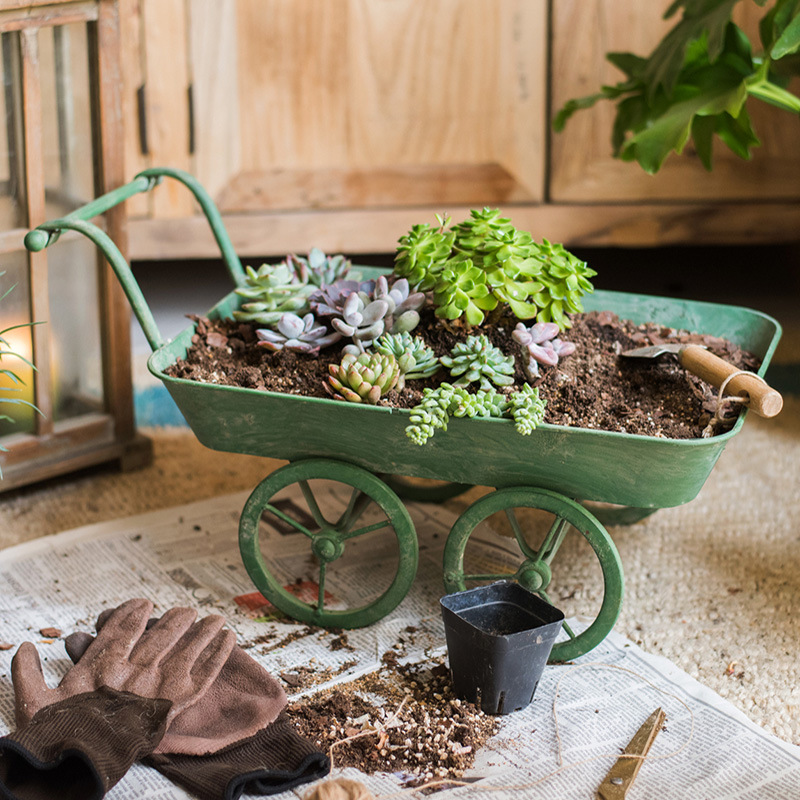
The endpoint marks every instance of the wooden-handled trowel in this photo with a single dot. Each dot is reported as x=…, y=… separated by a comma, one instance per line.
x=763, y=399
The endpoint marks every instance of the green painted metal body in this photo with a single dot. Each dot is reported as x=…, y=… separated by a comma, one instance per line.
x=592, y=465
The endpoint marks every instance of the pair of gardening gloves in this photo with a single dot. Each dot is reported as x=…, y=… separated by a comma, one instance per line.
x=176, y=693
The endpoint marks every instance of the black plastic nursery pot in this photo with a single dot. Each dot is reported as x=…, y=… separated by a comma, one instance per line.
x=499, y=638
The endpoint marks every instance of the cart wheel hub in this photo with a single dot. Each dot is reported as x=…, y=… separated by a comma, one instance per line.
x=534, y=576
x=327, y=547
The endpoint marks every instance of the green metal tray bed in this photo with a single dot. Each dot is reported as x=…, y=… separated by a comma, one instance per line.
x=556, y=469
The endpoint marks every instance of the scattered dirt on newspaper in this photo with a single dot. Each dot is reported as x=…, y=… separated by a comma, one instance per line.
x=402, y=719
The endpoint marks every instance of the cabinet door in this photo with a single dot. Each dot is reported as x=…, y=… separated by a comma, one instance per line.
x=303, y=104
x=582, y=168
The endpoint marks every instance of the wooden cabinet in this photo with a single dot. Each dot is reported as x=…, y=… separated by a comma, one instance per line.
x=59, y=148
x=339, y=123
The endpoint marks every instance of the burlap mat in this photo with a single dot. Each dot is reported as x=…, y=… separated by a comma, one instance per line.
x=712, y=585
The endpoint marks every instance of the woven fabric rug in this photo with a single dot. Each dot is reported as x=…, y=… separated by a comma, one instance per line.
x=712, y=585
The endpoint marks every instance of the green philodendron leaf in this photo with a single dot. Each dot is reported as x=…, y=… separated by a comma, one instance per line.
x=700, y=18
x=703, y=129
x=789, y=41
x=737, y=133
x=672, y=129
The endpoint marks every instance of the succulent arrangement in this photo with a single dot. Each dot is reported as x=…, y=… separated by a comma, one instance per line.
x=470, y=275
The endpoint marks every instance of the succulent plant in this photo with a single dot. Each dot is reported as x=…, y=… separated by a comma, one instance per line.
x=526, y=408
x=462, y=289
x=477, y=359
x=433, y=412
x=318, y=268
x=363, y=378
x=565, y=279
x=492, y=262
x=438, y=405
x=540, y=345
x=414, y=357
x=301, y=334
x=365, y=311
x=484, y=403
x=272, y=290
x=422, y=252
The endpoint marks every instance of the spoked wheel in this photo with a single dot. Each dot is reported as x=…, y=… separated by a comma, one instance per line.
x=517, y=534
x=312, y=517
x=420, y=490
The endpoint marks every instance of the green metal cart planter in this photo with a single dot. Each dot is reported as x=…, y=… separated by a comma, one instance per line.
x=555, y=469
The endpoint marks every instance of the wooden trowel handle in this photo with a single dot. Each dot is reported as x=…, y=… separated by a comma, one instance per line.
x=764, y=400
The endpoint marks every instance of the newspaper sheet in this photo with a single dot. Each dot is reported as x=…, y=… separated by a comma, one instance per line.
x=560, y=746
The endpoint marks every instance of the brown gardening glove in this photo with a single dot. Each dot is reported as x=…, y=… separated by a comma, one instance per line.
x=177, y=659
x=243, y=699
x=77, y=740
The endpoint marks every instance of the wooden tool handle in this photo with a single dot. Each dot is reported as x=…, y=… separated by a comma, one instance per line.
x=764, y=400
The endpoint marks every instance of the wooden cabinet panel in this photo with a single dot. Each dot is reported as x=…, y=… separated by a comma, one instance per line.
x=304, y=104
x=582, y=168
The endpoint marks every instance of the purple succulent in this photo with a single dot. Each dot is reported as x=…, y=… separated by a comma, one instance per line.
x=303, y=335
x=540, y=343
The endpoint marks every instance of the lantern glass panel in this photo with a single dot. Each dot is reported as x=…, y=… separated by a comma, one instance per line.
x=15, y=310
x=76, y=342
x=66, y=118
x=13, y=213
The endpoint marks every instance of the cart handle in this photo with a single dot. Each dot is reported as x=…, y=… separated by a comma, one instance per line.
x=48, y=232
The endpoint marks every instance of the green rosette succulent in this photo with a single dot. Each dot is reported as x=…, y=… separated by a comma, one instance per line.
x=363, y=378
x=422, y=253
x=272, y=290
x=415, y=359
x=565, y=279
x=491, y=262
x=526, y=408
x=477, y=359
x=461, y=289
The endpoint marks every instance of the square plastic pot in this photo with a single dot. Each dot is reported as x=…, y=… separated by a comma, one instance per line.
x=499, y=638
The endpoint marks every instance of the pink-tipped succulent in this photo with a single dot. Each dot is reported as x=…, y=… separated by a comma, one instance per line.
x=301, y=334
x=540, y=344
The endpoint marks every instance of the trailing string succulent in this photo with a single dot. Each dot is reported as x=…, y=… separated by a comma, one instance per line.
x=540, y=344
x=363, y=378
x=490, y=262
x=301, y=334
x=477, y=359
x=414, y=357
x=364, y=311
x=275, y=289
x=438, y=405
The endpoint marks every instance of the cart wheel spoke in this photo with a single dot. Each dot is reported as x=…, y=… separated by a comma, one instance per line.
x=519, y=535
x=289, y=520
x=395, y=553
x=553, y=540
x=539, y=571
x=376, y=526
x=359, y=503
x=313, y=507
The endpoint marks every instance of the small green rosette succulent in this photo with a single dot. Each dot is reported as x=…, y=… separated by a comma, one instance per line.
x=363, y=378
x=477, y=359
x=415, y=359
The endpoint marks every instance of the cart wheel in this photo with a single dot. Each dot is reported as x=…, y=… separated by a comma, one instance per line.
x=343, y=511
x=527, y=552
x=421, y=490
